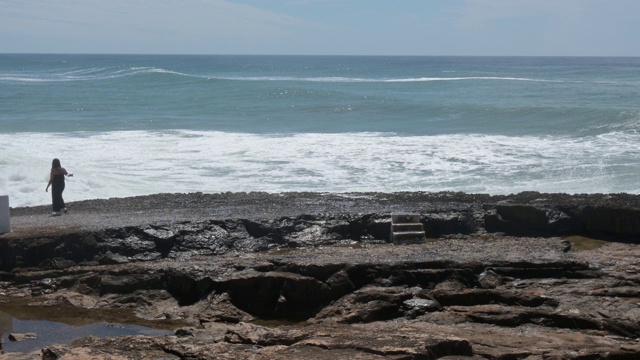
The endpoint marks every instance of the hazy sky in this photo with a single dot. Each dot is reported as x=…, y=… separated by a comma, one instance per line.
x=349, y=27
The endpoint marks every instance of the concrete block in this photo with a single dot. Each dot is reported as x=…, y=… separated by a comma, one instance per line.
x=5, y=219
x=407, y=227
x=409, y=237
x=402, y=218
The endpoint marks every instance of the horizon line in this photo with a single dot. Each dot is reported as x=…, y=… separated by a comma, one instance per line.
x=314, y=55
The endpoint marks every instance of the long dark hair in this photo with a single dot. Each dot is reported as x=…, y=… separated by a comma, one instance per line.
x=55, y=163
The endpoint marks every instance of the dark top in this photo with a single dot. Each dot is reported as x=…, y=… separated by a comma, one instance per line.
x=58, y=181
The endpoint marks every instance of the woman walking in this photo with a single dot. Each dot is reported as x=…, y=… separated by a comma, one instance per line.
x=56, y=181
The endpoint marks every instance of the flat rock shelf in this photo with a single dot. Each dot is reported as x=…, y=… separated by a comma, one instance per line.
x=317, y=276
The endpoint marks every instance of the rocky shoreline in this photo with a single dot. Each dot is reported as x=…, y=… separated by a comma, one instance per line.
x=314, y=275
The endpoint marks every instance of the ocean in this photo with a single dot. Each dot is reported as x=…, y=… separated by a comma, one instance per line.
x=129, y=125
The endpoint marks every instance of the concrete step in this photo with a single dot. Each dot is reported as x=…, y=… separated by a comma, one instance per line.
x=408, y=237
x=403, y=218
x=407, y=227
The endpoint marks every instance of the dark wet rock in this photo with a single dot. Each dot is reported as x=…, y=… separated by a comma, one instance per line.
x=443, y=214
x=531, y=220
x=440, y=224
x=621, y=222
x=276, y=295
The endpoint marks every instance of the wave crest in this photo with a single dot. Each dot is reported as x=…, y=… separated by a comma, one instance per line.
x=102, y=73
x=86, y=74
x=335, y=79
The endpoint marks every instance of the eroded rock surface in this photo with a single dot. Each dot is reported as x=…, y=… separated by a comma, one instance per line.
x=325, y=283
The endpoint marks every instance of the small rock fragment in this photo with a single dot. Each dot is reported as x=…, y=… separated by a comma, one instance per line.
x=21, y=337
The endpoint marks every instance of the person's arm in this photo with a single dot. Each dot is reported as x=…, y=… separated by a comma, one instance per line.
x=66, y=173
x=49, y=184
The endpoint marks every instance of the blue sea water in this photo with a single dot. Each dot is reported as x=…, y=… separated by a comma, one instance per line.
x=139, y=124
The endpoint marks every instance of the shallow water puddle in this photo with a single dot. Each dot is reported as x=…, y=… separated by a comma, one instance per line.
x=51, y=332
x=63, y=324
x=584, y=243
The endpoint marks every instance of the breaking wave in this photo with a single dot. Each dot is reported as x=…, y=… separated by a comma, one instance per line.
x=210, y=162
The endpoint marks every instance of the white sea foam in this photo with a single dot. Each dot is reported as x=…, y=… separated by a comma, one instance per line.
x=498, y=78
x=118, y=164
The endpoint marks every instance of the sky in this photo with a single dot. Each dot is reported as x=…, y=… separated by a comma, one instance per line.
x=323, y=27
